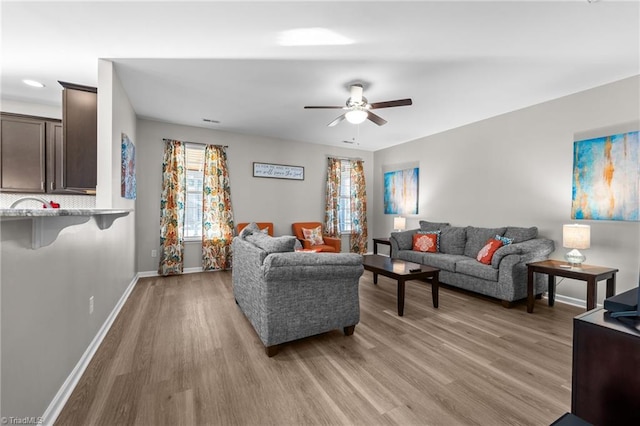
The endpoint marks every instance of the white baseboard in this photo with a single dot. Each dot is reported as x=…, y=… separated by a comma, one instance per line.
x=572, y=301
x=57, y=404
x=146, y=274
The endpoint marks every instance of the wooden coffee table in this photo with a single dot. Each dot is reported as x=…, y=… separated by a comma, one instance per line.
x=400, y=271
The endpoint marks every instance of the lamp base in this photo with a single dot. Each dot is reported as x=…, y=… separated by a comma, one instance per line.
x=575, y=258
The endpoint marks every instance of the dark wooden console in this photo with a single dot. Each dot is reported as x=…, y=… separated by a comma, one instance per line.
x=606, y=369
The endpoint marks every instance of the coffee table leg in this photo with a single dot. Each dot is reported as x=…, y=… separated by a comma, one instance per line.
x=400, y=298
x=435, y=289
x=375, y=278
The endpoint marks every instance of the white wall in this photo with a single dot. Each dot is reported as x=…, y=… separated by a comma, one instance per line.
x=254, y=199
x=46, y=325
x=516, y=169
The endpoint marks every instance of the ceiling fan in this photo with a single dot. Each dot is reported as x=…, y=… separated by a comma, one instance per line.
x=359, y=109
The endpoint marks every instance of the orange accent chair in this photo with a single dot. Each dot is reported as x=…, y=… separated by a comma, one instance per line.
x=331, y=244
x=261, y=225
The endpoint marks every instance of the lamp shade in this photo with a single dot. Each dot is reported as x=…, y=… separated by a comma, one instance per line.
x=576, y=236
x=399, y=223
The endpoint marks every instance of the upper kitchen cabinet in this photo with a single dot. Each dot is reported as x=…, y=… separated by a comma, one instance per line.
x=79, y=139
x=22, y=153
x=41, y=155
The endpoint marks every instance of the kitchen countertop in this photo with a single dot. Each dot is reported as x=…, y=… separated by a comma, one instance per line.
x=47, y=223
x=58, y=212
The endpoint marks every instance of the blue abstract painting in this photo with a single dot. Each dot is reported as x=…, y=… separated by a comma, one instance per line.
x=606, y=178
x=401, y=191
x=128, y=174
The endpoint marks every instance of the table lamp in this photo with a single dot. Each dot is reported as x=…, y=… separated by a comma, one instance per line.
x=399, y=223
x=576, y=237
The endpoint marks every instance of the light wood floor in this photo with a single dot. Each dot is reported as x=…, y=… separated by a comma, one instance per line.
x=182, y=353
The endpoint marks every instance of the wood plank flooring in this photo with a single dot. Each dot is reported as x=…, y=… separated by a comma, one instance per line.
x=182, y=353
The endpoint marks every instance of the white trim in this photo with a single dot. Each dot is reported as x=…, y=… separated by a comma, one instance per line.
x=572, y=301
x=57, y=404
x=146, y=274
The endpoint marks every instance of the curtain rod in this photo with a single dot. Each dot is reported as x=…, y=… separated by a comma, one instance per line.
x=345, y=158
x=195, y=143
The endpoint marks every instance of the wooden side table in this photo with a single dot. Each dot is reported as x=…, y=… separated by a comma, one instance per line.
x=556, y=268
x=384, y=241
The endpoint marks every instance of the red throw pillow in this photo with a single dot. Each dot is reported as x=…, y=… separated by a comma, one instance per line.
x=486, y=253
x=425, y=242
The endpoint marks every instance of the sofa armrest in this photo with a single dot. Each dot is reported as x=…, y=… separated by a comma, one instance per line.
x=402, y=240
x=530, y=251
x=512, y=275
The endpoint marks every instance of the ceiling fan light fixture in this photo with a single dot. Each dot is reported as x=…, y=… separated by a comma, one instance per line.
x=33, y=83
x=356, y=116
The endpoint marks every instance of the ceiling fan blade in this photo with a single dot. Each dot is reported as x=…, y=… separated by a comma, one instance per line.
x=337, y=120
x=389, y=104
x=376, y=118
x=323, y=107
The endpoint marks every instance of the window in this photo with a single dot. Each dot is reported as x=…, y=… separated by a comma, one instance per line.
x=344, y=204
x=193, y=209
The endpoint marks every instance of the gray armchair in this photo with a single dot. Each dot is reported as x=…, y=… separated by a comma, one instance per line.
x=288, y=295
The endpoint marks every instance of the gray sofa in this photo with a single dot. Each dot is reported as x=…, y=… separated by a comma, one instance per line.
x=505, y=278
x=289, y=295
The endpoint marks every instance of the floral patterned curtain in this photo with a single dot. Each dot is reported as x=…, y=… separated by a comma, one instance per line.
x=359, y=232
x=172, y=209
x=217, y=216
x=331, y=226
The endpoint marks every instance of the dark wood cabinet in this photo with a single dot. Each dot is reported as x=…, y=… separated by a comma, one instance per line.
x=80, y=138
x=39, y=155
x=22, y=153
x=606, y=369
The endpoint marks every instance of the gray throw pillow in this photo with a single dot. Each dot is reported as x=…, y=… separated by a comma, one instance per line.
x=249, y=229
x=270, y=244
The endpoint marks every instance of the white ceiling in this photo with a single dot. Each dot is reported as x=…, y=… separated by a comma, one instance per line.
x=460, y=62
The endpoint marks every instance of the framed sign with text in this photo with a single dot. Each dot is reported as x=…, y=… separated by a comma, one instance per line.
x=278, y=171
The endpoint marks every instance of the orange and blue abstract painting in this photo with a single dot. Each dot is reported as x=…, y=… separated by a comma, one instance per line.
x=401, y=191
x=128, y=169
x=606, y=178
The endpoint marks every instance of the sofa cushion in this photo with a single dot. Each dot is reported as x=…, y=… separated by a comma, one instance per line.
x=477, y=238
x=453, y=239
x=427, y=241
x=518, y=235
x=270, y=244
x=486, y=253
x=404, y=239
x=476, y=269
x=431, y=226
x=443, y=261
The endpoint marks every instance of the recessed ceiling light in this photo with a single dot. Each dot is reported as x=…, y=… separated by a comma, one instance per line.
x=33, y=83
x=312, y=37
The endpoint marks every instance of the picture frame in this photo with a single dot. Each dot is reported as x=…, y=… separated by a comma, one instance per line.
x=278, y=171
x=606, y=178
